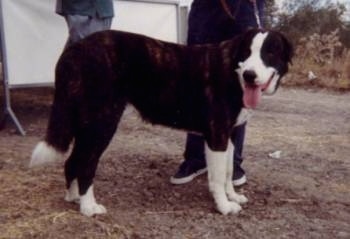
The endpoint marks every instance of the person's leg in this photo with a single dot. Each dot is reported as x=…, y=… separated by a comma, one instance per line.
x=99, y=24
x=80, y=27
x=194, y=147
x=194, y=163
x=76, y=28
x=238, y=136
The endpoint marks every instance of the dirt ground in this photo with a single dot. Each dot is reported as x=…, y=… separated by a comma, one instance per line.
x=303, y=194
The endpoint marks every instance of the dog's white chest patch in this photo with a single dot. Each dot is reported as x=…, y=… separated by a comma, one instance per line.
x=244, y=116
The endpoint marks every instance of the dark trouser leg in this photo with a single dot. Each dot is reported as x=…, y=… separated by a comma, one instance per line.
x=194, y=163
x=194, y=147
x=238, y=141
x=194, y=151
x=80, y=27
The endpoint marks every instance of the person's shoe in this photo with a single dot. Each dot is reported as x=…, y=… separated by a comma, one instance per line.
x=188, y=170
x=240, y=181
x=239, y=177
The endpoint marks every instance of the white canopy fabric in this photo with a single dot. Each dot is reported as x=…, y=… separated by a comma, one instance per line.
x=34, y=36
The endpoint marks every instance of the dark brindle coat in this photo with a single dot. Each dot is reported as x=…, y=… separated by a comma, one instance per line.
x=195, y=88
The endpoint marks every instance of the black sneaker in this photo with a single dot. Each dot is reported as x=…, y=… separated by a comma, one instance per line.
x=188, y=170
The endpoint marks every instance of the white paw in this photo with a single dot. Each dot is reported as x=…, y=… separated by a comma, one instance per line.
x=72, y=194
x=229, y=207
x=92, y=209
x=88, y=205
x=238, y=198
x=72, y=198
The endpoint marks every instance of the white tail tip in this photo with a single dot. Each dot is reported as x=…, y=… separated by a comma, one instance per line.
x=44, y=154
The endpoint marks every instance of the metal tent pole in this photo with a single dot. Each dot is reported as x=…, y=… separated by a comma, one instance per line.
x=8, y=112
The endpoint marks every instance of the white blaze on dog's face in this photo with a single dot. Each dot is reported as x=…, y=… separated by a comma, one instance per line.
x=257, y=73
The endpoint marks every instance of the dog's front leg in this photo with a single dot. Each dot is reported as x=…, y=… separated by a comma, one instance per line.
x=217, y=176
x=230, y=191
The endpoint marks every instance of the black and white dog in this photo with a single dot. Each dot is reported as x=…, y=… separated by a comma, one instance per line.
x=202, y=88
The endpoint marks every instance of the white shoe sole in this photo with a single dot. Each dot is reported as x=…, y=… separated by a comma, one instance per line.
x=239, y=182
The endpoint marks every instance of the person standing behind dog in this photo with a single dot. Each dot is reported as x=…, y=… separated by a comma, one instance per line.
x=212, y=21
x=85, y=17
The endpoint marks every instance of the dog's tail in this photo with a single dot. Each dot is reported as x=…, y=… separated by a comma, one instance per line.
x=59, y=133
x=43, y=154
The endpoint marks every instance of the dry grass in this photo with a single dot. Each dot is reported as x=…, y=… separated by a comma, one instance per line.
x=321, y=61
x=30, y=215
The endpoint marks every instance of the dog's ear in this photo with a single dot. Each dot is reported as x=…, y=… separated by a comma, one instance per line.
x=288, y=49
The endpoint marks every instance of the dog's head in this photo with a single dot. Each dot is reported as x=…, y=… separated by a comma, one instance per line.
x=263, y=58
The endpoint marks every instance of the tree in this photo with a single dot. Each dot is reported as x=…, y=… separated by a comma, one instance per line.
x=306, y=17
x=271, y=11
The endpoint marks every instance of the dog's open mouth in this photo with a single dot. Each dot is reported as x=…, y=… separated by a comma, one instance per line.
x=252, y=93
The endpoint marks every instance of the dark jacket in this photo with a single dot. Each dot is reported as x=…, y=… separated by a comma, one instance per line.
x=99, y=8
x=209, y=22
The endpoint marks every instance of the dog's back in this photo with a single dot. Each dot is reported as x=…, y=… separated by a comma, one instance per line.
x=168, y=83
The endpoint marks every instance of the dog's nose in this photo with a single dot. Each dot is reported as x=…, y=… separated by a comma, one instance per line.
x=249, y=76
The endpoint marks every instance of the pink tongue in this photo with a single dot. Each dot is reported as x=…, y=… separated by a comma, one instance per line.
x=252, y=96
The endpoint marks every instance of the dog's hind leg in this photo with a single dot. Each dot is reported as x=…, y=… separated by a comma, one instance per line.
x=90, y=142
x=82, y=164
x=230, y=191
x=217, y=177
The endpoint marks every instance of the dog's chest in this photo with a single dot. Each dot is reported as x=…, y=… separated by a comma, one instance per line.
x=244, y=116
